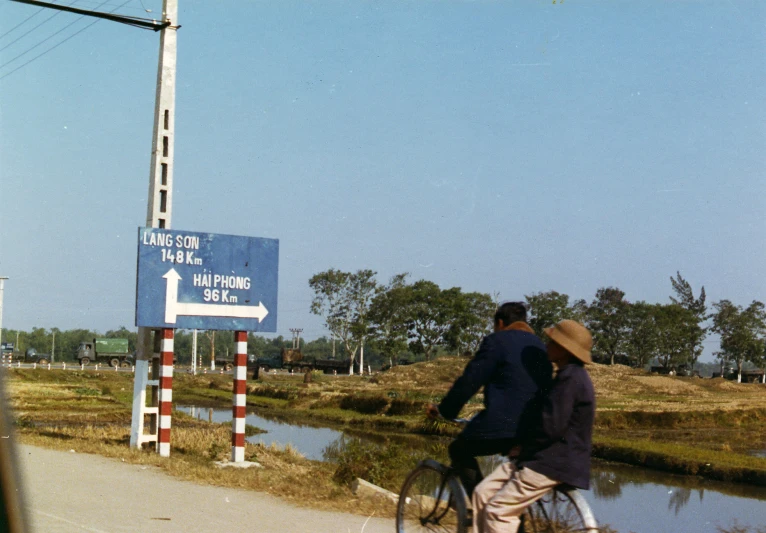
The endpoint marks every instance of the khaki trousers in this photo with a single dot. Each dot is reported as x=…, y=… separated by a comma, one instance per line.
x=501, y=497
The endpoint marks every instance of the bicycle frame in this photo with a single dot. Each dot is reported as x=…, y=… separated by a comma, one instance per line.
x=561, y=494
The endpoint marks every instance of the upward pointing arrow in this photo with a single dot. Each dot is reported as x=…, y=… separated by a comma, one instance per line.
x=171, y=295
x=173, y=308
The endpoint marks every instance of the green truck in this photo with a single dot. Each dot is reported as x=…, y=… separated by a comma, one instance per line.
x=112, y=351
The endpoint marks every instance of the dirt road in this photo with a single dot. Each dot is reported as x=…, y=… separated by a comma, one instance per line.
x=72, y=492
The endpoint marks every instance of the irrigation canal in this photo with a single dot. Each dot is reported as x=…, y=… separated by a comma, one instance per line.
x=630, y=499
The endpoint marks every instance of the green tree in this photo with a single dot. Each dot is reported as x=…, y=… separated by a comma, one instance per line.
x=695, y=331
x=472, y=320
x=607, y=320
x=182, y=346
x=39, y=339
x=642, y=339
x=364, y=289
x=548, y=308
x=264, y=348
x=672, y=323
x=320, y=348
x=742, y=333
x=429, y=315
x=388, y=319
x=343, y=299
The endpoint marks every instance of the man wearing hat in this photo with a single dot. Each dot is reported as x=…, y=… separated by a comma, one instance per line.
x=558, y=450
x=512, y=367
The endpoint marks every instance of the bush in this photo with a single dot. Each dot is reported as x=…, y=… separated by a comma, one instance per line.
x=87, y=391
x=273, y=392
x=385, y=465
x=218, y=385
x=365, y=404
x=406, y=407
x=330, y=402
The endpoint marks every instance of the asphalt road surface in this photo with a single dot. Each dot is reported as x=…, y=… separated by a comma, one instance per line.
x=71, y=492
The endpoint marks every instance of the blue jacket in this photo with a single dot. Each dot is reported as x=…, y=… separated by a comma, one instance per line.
x=513, y=367
x=560, y=447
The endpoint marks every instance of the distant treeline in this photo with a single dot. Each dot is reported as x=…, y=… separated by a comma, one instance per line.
x=419, y=321
x=421, y=317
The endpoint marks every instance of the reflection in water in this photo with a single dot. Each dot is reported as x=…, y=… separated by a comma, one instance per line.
x=678, y=499
x=606, y=485
x=633, y=499
x=307, y=440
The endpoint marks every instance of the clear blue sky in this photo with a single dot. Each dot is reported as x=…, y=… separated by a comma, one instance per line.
x=508, y=147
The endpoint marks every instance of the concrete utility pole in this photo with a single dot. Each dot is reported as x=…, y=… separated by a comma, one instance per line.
x=2, y=289
x=296, y=337
x=194, y=353
x=160, y=186
x=158, y=215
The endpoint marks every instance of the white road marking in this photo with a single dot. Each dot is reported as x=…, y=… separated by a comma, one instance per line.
x=86, y=528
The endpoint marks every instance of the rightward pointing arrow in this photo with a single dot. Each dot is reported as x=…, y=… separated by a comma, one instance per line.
x=173, y=308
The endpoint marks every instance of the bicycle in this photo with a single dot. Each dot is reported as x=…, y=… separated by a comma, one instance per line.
x=432, y=498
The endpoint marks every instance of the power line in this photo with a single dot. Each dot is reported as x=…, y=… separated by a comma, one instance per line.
x=57, y=13
x=75, y=21
x=93, y=2
x=58, y=44
x=22, y=22
x=139, y=22
x=142, y=5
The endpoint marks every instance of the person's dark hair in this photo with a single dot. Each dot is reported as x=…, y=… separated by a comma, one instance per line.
x=511, y=312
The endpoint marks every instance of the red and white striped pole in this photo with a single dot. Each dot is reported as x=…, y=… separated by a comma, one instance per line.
x=166, y=392
x=239, y=397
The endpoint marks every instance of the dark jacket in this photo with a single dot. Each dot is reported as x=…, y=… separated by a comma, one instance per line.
x=513, y=368
x=561, y=445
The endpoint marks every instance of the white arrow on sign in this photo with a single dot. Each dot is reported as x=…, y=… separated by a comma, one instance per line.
x=173, y=308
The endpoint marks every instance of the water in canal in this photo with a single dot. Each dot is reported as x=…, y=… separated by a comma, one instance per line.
x=309, y=441
x=630, y=499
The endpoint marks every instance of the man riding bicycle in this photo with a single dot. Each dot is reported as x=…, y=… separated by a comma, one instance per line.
x=557, y=451
x=512, y=366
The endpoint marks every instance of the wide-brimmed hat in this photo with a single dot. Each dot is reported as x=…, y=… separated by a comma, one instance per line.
x=573, y=337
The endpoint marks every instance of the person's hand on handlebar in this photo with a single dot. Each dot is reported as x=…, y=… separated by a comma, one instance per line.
x=432, y=411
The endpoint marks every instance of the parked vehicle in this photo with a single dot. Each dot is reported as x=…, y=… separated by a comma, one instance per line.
x=748, y=376
x=6, y=348
x=228, y=364
x=30, y=355
x=112, y=351
x=293, y=360
x=673, y=370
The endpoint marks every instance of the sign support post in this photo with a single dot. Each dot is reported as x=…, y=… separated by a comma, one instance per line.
x=239, y=398
x=166, y=391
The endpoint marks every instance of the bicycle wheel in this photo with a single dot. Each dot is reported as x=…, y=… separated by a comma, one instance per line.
x=560, y=511
x=432, y=500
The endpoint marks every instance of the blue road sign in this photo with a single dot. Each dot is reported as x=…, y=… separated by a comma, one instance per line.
x=190, y=280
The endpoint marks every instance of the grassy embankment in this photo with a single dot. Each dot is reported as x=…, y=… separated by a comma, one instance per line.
x=707, y=427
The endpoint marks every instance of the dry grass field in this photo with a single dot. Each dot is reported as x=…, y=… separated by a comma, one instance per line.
x=686, y=425
x=617, y=387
